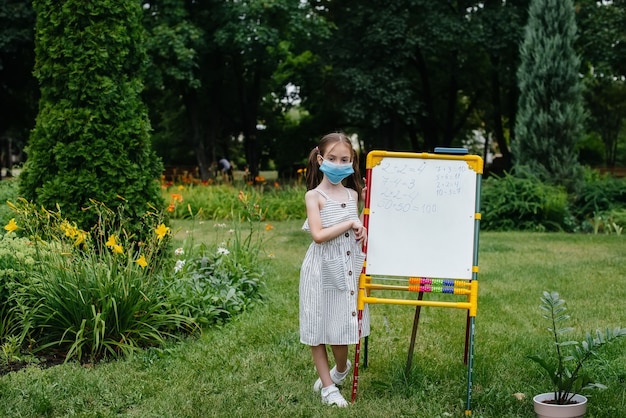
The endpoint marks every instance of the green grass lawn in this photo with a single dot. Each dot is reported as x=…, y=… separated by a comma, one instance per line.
x=256, y=366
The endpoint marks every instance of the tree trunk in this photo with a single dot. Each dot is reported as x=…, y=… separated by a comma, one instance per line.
x=197, y=136
x=427, y=117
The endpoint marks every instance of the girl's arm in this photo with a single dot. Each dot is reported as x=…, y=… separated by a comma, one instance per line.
x=314, y=202
x=360, y=232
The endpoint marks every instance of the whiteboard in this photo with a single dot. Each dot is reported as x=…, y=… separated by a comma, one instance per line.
x=422, y=211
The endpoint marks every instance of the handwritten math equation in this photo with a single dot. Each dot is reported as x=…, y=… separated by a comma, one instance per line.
x=417, y=188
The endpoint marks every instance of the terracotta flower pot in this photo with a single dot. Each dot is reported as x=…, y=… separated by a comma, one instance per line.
x=550, y=410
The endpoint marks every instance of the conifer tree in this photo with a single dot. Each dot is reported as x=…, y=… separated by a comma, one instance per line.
x=550, y=115
x=92, y=134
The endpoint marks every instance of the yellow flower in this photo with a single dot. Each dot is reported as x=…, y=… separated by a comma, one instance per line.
x=111, y=242
x=118, y=249
x=69, y=230
x=80, y=237
x=142, y=261
x=161, y=231
x=11, y=226
x=243, y=197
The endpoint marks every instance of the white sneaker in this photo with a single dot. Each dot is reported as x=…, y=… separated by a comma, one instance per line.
x=331, y=396
x=335, y=376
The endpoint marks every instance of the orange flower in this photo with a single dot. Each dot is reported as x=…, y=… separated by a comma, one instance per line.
x=177, y=197
x=171, y=207
x=269, y=227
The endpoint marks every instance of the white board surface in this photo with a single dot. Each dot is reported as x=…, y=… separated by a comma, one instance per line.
x=422, y=218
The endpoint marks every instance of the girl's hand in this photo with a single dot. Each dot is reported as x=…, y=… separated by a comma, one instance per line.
x=364, y=191
x=360, y=232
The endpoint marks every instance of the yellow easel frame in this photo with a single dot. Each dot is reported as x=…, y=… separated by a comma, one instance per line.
x=468, y=288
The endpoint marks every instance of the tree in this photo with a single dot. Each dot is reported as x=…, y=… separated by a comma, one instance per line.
x=91, y=137
x=215, y=65
x=18, y=87
x=502, y=30
x=408, y=75
x=550, y=117
x=602, y=47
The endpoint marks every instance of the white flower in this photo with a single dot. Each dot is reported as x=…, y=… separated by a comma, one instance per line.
x=231, y=231
x=179, y=265
x=179, y=251
x=222, y=250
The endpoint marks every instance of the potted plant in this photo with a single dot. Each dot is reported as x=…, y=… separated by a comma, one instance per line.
x=565, y=368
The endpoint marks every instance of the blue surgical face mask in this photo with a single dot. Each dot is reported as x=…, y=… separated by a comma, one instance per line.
x=336, y=172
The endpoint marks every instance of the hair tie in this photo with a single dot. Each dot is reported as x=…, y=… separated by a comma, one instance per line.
x=316, y=149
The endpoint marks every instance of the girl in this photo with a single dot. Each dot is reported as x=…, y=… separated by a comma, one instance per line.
x=333, y=262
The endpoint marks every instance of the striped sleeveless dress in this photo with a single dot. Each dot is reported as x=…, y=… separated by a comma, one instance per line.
x=329, y=280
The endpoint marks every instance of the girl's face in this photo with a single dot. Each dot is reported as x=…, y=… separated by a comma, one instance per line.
x=339, y=153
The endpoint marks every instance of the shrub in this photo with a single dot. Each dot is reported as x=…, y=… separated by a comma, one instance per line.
x=523, y=203
x=92, y=308
x=94, y=295
x=8, y=192
x=17, y=261
x=213, y=285
x=600, y=202
x=91, y=138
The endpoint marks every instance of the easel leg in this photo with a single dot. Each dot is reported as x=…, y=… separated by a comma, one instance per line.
x=357, y=355
x=470, y=367
x=416, y=319
x=467, y=338
x=367, y=340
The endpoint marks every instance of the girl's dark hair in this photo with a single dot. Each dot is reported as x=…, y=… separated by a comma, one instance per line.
x=314, y=175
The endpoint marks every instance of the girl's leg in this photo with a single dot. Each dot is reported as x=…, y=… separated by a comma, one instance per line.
x=320, y=358
x=340, y=352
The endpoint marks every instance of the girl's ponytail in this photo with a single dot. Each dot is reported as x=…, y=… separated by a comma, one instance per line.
x=313, y=173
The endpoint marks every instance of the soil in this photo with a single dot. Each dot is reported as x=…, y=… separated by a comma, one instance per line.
x=46, y=361
x=553, y=402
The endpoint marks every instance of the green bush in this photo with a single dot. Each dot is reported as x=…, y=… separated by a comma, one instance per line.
x=103, y=294
x=599, y=196
x=213, y=285
x=17, y=261
x=90, y=308
x=93, y=295
x=510, y=203
x=91, y=139
x=8, y=191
